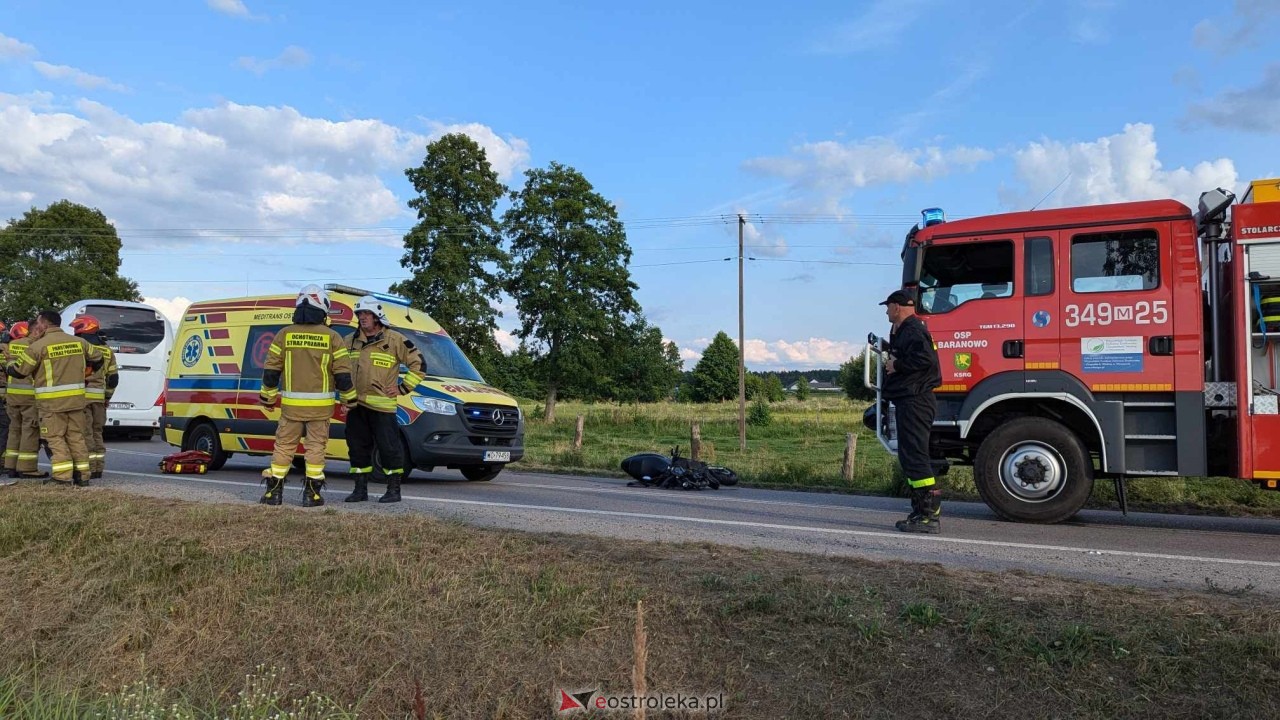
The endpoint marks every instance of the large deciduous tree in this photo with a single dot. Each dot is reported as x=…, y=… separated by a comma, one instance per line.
x=570, y=280
x=53, y=257
x=455, y=250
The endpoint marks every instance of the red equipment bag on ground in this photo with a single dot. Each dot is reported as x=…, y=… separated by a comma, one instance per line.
x=190, y=462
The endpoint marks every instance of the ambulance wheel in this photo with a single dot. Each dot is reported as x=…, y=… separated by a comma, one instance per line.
x=204, y=437
x=1033, y=469
x=480, y=473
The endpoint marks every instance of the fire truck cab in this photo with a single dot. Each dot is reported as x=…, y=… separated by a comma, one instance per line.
x=1117, y=341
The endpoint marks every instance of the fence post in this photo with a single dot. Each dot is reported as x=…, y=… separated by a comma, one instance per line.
x=850, y=450
x=577, y=435
x=695, y=442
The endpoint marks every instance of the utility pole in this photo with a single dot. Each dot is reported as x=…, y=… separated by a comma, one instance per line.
x=742, y=349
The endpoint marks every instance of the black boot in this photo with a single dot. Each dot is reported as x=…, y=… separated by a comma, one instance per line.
x=275, y=492
x=926, y=512
x=95, y=475
x=361, y=493
x=14, y=474
x=311, y=493
x=393, y=491
x=78, y=479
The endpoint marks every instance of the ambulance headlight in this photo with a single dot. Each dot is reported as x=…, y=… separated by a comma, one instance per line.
x=433, y=405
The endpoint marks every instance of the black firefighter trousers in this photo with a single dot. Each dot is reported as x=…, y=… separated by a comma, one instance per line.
x=366, y=430
x=914, y=415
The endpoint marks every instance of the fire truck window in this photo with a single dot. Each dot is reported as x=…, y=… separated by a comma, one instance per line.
x=1115, y=262
x=953, y=275
x=1039, y=266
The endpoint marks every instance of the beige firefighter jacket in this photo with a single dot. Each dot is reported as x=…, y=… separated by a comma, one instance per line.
x=21, y=392
x=101, y=383
x=305, y=365
x=59, y=363
x=378, y=360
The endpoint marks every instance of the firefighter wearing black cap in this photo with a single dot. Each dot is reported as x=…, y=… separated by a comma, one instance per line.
x=911, y=374
x=59, y=364
x=378, y=353
x=306, y=363
x=99, y=387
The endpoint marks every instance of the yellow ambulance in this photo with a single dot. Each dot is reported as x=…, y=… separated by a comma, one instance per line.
x=452, y=419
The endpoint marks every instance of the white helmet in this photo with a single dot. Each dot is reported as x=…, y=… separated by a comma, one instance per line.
x=369, y=303
x=315, y=296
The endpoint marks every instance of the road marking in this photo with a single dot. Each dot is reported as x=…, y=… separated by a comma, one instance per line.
x=686, y=495
x=769, y=526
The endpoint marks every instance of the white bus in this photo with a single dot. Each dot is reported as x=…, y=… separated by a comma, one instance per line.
x=141, y=338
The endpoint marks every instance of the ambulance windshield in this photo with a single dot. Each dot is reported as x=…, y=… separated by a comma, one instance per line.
x=442, y=356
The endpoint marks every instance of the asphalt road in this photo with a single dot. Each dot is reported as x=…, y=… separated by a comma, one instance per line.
x=1143, y=549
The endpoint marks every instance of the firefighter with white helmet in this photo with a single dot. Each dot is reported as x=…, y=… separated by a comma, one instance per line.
x=305, y=364
x=378, y=353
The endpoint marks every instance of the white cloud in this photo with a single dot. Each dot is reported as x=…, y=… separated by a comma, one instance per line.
x=832, y=169
x=291, y=57
x=14, y=48
x=508, y=156
x=77, y=76
x=171, y=308
x=880, y=26
x=1116, y=168
x=762, y=244
x=1256, y=109
x=506, y=340
x=1250, y=21
x=234, y=8
x=810, y=354
x=230, y=166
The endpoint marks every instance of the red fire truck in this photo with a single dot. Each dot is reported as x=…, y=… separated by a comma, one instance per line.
x=1114, y=341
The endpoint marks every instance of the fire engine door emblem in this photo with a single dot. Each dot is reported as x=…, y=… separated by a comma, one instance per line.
x=963, y=360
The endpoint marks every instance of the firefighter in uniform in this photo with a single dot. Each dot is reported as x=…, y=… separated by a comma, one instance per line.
x=59, y=364
x=98, y=390
x=305, y=363
x=378, y=352
x=4, y=412
x=912, y=372
x=21, y=454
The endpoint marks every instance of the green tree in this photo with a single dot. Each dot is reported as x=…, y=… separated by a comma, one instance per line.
x=852, y=381
x=715, y=377
x=53, y=257
x=570, y=280
x=645, y=368
x=755, y=387
x=455, y=251
x=773, y=390
x=802, y=388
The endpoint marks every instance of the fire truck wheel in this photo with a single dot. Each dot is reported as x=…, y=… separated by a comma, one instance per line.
x=1033, y=470
x=204, y=437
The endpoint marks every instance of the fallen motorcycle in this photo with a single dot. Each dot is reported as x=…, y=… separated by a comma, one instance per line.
x=676, y=472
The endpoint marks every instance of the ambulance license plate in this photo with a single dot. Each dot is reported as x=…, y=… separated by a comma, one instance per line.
x=497, y=456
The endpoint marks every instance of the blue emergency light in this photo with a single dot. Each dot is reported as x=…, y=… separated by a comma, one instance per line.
x=933, y=216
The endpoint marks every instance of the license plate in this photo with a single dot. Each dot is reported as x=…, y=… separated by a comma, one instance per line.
x=497, y=456
x=120, y=405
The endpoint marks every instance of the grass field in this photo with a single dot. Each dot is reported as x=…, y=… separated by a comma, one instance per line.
x=126, y=607
x=803, y=447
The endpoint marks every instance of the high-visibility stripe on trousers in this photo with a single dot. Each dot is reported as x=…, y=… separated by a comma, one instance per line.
x=314, y=435
x=65, y=432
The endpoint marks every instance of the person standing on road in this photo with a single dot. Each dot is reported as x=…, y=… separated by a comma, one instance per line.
x=911, y=374
x=22, y=451
x=59, y=364
x=305, y=363
x=378, y=352
x=98, y=390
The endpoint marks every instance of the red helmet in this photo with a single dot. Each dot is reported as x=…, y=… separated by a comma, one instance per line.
x=19, y=330
x=85, y=325
x=3, y=327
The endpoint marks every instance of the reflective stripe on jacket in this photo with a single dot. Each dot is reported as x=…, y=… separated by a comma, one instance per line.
x=308, y=360
x=59, y=363
x=377, y=368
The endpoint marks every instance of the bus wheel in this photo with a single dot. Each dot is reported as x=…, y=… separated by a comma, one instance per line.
x=204, y=437
x=1034, y=470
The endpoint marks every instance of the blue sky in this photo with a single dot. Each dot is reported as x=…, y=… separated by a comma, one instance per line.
x=250, y=146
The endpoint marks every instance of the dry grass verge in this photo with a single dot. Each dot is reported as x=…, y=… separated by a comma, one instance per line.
x=104, y=589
